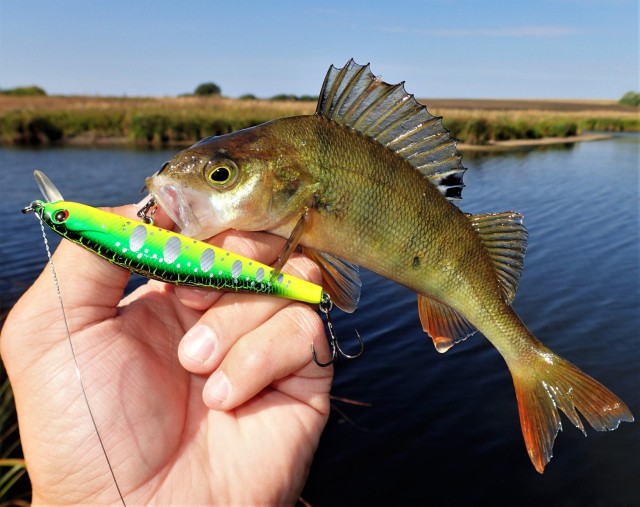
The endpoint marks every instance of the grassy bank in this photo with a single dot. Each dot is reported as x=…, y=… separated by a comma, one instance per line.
x=185, y=120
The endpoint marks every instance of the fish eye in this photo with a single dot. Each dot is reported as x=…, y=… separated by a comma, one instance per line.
x=221, y=174
x=60, y=216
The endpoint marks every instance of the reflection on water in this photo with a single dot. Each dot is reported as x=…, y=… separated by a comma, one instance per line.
x=444, y=429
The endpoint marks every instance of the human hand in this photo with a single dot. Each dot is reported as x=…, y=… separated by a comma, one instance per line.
x=172, y=433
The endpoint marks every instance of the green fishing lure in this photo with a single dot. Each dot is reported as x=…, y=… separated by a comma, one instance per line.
x=163, y=255
x=167, y=256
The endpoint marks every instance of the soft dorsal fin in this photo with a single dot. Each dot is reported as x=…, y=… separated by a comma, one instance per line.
x=443, y=324
x=354, y=97
x=505, y=238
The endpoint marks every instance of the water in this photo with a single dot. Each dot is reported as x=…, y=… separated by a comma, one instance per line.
x=444, y=429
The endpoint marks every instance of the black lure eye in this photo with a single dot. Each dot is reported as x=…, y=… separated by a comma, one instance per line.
x=61, y=216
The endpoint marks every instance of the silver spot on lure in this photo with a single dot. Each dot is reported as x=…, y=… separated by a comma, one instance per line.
x=138, y=237
x=259, y=275
x=236, y=269
x=172, y=249
x=207, y=259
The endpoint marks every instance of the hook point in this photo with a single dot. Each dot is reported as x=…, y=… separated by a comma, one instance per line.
x=326, y=305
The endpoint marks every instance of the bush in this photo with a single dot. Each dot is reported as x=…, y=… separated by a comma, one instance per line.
x=630, y=99
x=294, y=98
x=25, y=91
x=207, y=89
x=284, y=96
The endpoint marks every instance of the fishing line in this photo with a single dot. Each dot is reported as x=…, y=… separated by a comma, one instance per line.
x=75, y=358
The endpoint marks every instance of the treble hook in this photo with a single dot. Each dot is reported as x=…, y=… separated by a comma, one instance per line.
x=326, y=305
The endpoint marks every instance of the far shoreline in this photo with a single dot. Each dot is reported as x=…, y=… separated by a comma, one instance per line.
x=480, y=125
x=518, y=144
x=491, y=146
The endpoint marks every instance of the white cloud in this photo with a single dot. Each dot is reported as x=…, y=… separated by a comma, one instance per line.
x=515, y=31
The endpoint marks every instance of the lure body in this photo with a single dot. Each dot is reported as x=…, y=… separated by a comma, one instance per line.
x=167, y=256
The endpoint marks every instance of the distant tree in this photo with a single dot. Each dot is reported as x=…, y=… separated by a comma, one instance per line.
x=248, y=96
x=284, y=97
x=207, y=89
x=24, y=91
x=630, y=99
x=291, y=97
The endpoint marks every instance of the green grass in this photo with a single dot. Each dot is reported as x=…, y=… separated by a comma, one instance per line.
x=479, y=130
x=185, y=120
x=14, y=482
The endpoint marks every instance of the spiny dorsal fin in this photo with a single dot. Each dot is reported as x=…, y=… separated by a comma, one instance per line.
x=443, y=324
x=354, y=97
x=340, y=279
x=505, y=238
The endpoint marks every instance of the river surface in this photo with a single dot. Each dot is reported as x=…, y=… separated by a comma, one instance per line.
x=442, y=429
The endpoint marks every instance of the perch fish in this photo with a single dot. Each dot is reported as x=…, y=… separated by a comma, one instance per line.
x=369, y=180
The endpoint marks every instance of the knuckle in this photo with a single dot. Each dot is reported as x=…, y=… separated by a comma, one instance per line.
x=303, y=267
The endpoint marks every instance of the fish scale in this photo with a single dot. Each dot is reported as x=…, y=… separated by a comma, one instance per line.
x=398, y=214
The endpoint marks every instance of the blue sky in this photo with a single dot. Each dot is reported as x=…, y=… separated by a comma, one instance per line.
x=441, y=48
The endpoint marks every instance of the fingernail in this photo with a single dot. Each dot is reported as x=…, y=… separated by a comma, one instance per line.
x=200, y=343
x=205, y=294
x=216, y=389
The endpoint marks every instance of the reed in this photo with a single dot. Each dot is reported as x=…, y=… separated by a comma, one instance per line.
x=15, y=488
x=484, y=126
x=185, y=120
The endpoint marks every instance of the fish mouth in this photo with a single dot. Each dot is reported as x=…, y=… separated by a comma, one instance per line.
x=175, y=204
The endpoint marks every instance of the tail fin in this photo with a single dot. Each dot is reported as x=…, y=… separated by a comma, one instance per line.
x=549, y=383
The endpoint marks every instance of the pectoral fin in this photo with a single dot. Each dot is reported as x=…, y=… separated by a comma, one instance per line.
x=340, y=279
x=290, y=246
x=445, y=326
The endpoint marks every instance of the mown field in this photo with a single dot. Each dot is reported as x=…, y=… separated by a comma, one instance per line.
x=184, y=120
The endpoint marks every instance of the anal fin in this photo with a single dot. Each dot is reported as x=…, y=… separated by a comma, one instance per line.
x=443, y=324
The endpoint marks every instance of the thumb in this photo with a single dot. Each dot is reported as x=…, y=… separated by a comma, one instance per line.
x=91, y=289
